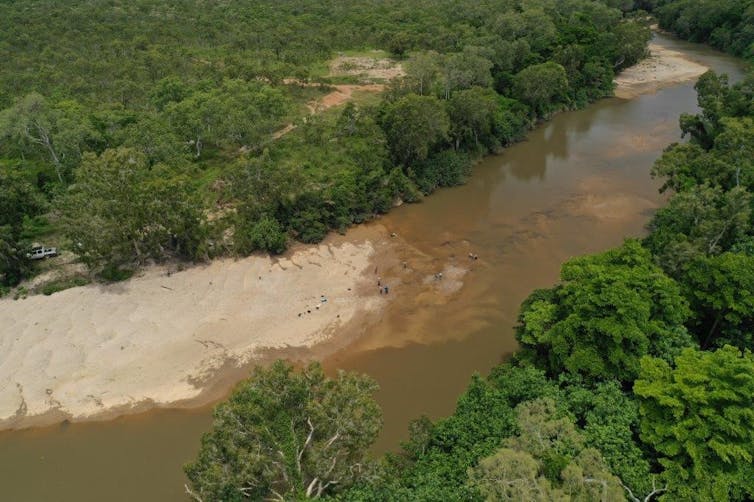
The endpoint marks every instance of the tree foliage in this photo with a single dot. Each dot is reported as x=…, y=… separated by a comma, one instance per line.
x=725, y=24
x=546, y=460
x=699, y=417
x=413, y=126
x=609, y=311
x=287, y=434
x=120, y=212
x=204, y=89
x=18, y=199
x=542, y=86
x=58, y=131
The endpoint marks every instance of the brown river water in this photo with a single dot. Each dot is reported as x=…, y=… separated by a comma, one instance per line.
x=579, y=184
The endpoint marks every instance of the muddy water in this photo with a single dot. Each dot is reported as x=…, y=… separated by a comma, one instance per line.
x=579, y=184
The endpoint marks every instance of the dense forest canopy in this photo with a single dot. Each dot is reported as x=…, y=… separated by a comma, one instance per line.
x=108, y=100
x=725, y=24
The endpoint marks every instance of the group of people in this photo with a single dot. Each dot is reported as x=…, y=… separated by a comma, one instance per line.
x=384, y=289
x=322, y=301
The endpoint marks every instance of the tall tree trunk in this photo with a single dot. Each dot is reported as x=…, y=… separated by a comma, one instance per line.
x=55, y=159
x=44, y=139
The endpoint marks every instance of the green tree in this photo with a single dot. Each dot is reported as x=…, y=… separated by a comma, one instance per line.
x=728, y=163
x=735, y=147
x=18, y=200
x=699, y=417
x=684, y=166
x=288, y=435
x=609, y=418
x=263, y=235
x=472, y=117
x=513, y=475
x=168, y=90
x=712, y=90
x=121, y=212
x=464, y=70
x=700, y=221
x=196, y=119
x=726, y=24
x=631, y=43
x=153, y=136
x=546, y=460
x=609, y=310
x=13, y=265
x=422, y=69
x=413, y=126
x=721, y=292
x=57, y=131
x=541, y=86
x=236, y=113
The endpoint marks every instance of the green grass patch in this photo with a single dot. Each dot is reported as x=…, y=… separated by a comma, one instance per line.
x=62, y=284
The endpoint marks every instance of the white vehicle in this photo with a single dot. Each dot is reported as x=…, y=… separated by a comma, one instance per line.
x=41, y=252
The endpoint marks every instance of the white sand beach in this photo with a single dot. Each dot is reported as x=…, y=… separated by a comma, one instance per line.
x=157, y=339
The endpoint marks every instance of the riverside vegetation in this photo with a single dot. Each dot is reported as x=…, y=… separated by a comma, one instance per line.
x=634, y=381
x=725, y=24
x=138, y=132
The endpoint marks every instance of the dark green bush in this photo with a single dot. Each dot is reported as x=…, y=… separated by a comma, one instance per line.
x=60, y=285
x=264, y=235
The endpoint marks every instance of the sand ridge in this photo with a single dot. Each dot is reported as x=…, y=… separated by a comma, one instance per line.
x=158, y=337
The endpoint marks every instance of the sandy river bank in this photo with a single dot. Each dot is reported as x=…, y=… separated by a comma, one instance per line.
x=99, y=351
x=664, y=67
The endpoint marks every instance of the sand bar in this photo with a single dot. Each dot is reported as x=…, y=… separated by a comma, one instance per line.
x=663, y=68
x=157, y=339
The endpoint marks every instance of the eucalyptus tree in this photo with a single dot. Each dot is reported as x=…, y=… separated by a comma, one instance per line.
x=288, y=435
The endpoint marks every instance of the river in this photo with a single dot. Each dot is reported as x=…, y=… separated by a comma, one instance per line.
x=578, y=184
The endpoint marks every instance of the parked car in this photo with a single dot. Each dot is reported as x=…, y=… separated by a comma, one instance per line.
x=41, y=252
